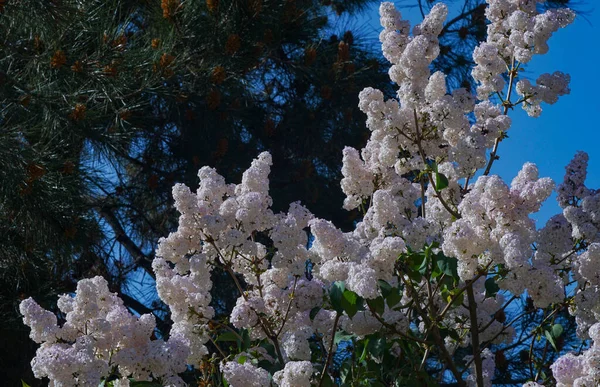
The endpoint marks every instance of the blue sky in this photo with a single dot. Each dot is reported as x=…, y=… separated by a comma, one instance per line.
x=551, y=140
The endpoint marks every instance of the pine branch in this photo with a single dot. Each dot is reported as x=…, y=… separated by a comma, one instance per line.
x=140, y=258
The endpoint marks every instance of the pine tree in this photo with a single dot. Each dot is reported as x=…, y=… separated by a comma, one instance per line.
x=106, y=104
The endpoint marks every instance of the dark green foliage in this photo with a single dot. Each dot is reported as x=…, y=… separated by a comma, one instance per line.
x=106, y=104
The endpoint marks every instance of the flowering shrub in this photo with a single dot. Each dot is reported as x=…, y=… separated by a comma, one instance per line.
x=416, y=282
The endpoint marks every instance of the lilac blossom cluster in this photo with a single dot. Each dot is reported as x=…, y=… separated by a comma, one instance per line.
x=581, y=222
x=571, y=370
x=518, y=31
x=426, y=132
x=97, y=336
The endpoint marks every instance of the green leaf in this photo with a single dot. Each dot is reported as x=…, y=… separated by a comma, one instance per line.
x=377, y=304
x=444, y=332
x=423, y=267
x=458, y=299
x=448, y=282
x=336, y=294
x=393, y=298
x=416, y=260
x=386, y=288
x=345, y=371
x=453, y=334
x=433, y=166
x=227, y=336
x=313, y=312
x=340, y=336
x=550, y=339
x=455, y=296
x=246, y=339
x=269, y=348
x=376, y=346
x=327, y=382
x=441, y=181
x=557, y=330
x=373, y=367
x=448, y=265
x=242, y=359
x=264, y=364
x=428, y=251
x=23, y=384
x=364, y=352
x=349, y=302
x=491, y=287
x=414, y=275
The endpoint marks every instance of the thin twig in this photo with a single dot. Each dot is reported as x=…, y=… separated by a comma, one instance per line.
x=216, y=346
x=424, y=360
x=494, y=318
x=475, y=336
x=263, y=325
x=288, y=308
x=422, y=198
x=463, y=15
x=461, y=291
x=393, y=328
x=439, y=341
x=330, y=352
x=424, y=158
x=493, y=156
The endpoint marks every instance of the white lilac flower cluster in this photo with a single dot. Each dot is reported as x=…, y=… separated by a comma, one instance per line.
x=295, y=373
x=580, y=221
x=245, y=374
x=98, y=335
x=518, y=31
x=342, y=257
x=410, y=57
x=428, y=134
x=217, y=228
x=495, y=221
x=581, y=205
x=495, y=224
x=547, y=89
x=428, y=123
x=572, y=370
